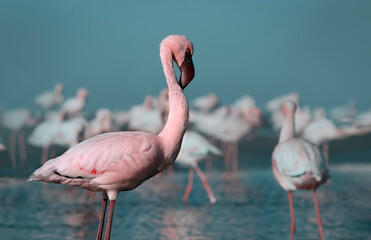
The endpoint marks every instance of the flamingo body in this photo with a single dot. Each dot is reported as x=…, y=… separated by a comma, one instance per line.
x=104, y=166
x=297, y=163
x=194, y=149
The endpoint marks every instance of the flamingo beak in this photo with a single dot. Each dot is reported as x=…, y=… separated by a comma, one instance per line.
x=187, y=71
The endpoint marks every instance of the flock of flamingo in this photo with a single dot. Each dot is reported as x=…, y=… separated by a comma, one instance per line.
x=102, y=157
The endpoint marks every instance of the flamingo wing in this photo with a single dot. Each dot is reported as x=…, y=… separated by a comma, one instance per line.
x=296, y=157
x=99, y=155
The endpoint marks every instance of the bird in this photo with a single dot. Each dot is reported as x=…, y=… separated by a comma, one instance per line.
x=276, y=103
x=73, y=106
x=206, y=103
x=298, y=164
x=100, y=124
x=70, y=132
x=121, y=161
x=226, y=124
x=344, y=113
x=195, y=148
x=44, y=133
x=49, y=99
x=321, y=130
x=145, y=117
x=16, y=120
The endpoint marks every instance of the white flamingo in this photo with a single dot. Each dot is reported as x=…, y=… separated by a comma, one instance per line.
x=49, y=99
x=73, y=106
x=298, y=164
x=196, y=148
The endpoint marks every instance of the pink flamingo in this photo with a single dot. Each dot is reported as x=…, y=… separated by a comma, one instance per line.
x=297, y=163
x=194, y=149
x=121, y=161
x=50, y=99
x=100, y=124
x=74, y=105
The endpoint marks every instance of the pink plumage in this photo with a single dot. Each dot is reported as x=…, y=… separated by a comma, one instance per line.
x=121, y=161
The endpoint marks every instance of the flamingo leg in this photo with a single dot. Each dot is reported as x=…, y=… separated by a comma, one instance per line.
x=235, y=159
x=206, y=184
x=292, y=226
x=325, y=151
x=107, y=235
x=319, y=221
x=22, y=146
x=12, y=147
x=189, y=185
x=44, y=156
x=52, y=152
x=102, y=216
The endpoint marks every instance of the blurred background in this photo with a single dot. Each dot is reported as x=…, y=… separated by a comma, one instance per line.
x=320, y=49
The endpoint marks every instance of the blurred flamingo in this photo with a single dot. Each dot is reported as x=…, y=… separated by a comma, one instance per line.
x=16, y=120
x=196, y=148
x=49, y=99
x=44, y=133
x=297, y=163
x=206, y=103
x=73, y=106
x=344, y=113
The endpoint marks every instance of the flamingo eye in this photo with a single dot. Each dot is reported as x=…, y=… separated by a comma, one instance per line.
x=188, y=51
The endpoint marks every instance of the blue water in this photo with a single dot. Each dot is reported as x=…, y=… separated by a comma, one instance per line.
x=254, y=207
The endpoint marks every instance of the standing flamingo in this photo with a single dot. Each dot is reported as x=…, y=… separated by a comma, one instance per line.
x=49, y=99
x=16, y=120
x=121, y=161
x=297, y=163
x=74, y=105
x=194, y=149
x=43, y=135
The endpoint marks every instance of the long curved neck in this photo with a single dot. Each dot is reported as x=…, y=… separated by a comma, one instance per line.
x=175, y=126
x=288, y=128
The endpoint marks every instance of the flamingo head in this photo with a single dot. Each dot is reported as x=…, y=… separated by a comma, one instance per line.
x=82, y=93
x=288, y=108
x=181, y=50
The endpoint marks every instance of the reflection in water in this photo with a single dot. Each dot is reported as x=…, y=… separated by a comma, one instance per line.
x=253, y=208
